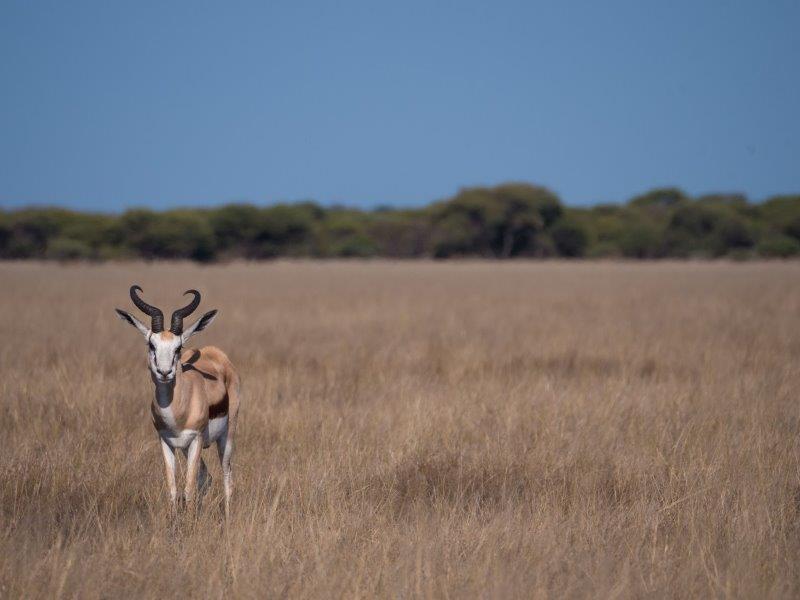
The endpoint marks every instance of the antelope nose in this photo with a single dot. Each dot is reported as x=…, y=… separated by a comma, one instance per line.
x=162, y=373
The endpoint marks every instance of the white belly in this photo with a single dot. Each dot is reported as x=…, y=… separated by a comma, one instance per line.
x=178, y=439
x=216, y=429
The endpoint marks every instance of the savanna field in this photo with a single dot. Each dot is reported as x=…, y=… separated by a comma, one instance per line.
x=414, y=429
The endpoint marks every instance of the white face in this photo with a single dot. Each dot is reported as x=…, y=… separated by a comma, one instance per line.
x=164, y=348
x=163, y=355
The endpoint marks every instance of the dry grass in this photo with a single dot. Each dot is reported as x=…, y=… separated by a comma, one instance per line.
x=446, y=430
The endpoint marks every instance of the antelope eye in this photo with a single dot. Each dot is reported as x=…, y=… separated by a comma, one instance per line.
x=152, y=348
x=178, y=350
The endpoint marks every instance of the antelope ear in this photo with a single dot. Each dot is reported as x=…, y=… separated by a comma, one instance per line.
x=199, y=325
x=130, y=319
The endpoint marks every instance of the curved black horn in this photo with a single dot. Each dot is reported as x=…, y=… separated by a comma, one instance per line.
x=156, y=316
x=179, y=315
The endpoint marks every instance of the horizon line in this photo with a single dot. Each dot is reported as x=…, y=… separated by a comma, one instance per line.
x=373, y=207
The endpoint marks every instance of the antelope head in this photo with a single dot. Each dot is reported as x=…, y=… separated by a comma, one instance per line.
x=164, y=347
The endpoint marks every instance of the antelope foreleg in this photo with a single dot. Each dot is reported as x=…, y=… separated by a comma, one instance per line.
x=192, y=469
x=169, y=466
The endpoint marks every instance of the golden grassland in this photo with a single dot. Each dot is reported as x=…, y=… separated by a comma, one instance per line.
x=448, y=430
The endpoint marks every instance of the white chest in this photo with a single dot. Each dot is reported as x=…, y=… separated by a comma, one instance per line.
x=175, y=438
x=169, y=431
x=167, y=418
x=178, y=439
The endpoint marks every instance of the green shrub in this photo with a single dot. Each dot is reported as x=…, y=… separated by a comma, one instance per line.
x=778, y=246
x=640, y=240
x=234, y=226
x=504, y=221
x=570, y=238
x=358, y=245
x=285, y=230
x=604, y=250
x=62, y=248
x=173, y=234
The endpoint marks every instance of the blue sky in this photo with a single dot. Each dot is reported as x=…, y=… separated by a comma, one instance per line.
x=107, y=105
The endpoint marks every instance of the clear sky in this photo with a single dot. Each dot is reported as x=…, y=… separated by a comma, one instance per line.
x=106, y=105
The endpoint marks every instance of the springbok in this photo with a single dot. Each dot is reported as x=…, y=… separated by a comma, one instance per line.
x=196, y=397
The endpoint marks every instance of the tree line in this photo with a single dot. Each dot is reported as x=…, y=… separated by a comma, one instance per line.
x=506, y=221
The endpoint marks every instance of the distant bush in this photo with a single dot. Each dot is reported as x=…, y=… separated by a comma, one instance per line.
x=779, y=246
x=344, y=233
x=501, y=222
x=173, y=234
x=67, y=249
x=505, y=221
x=604, y=250
x=570, y=238
x=399, y=234
x=658, y=201
x=641, y=240
x=706, y=228
x=235, y=227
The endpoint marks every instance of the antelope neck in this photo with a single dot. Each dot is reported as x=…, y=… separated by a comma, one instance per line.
x=166, y=392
